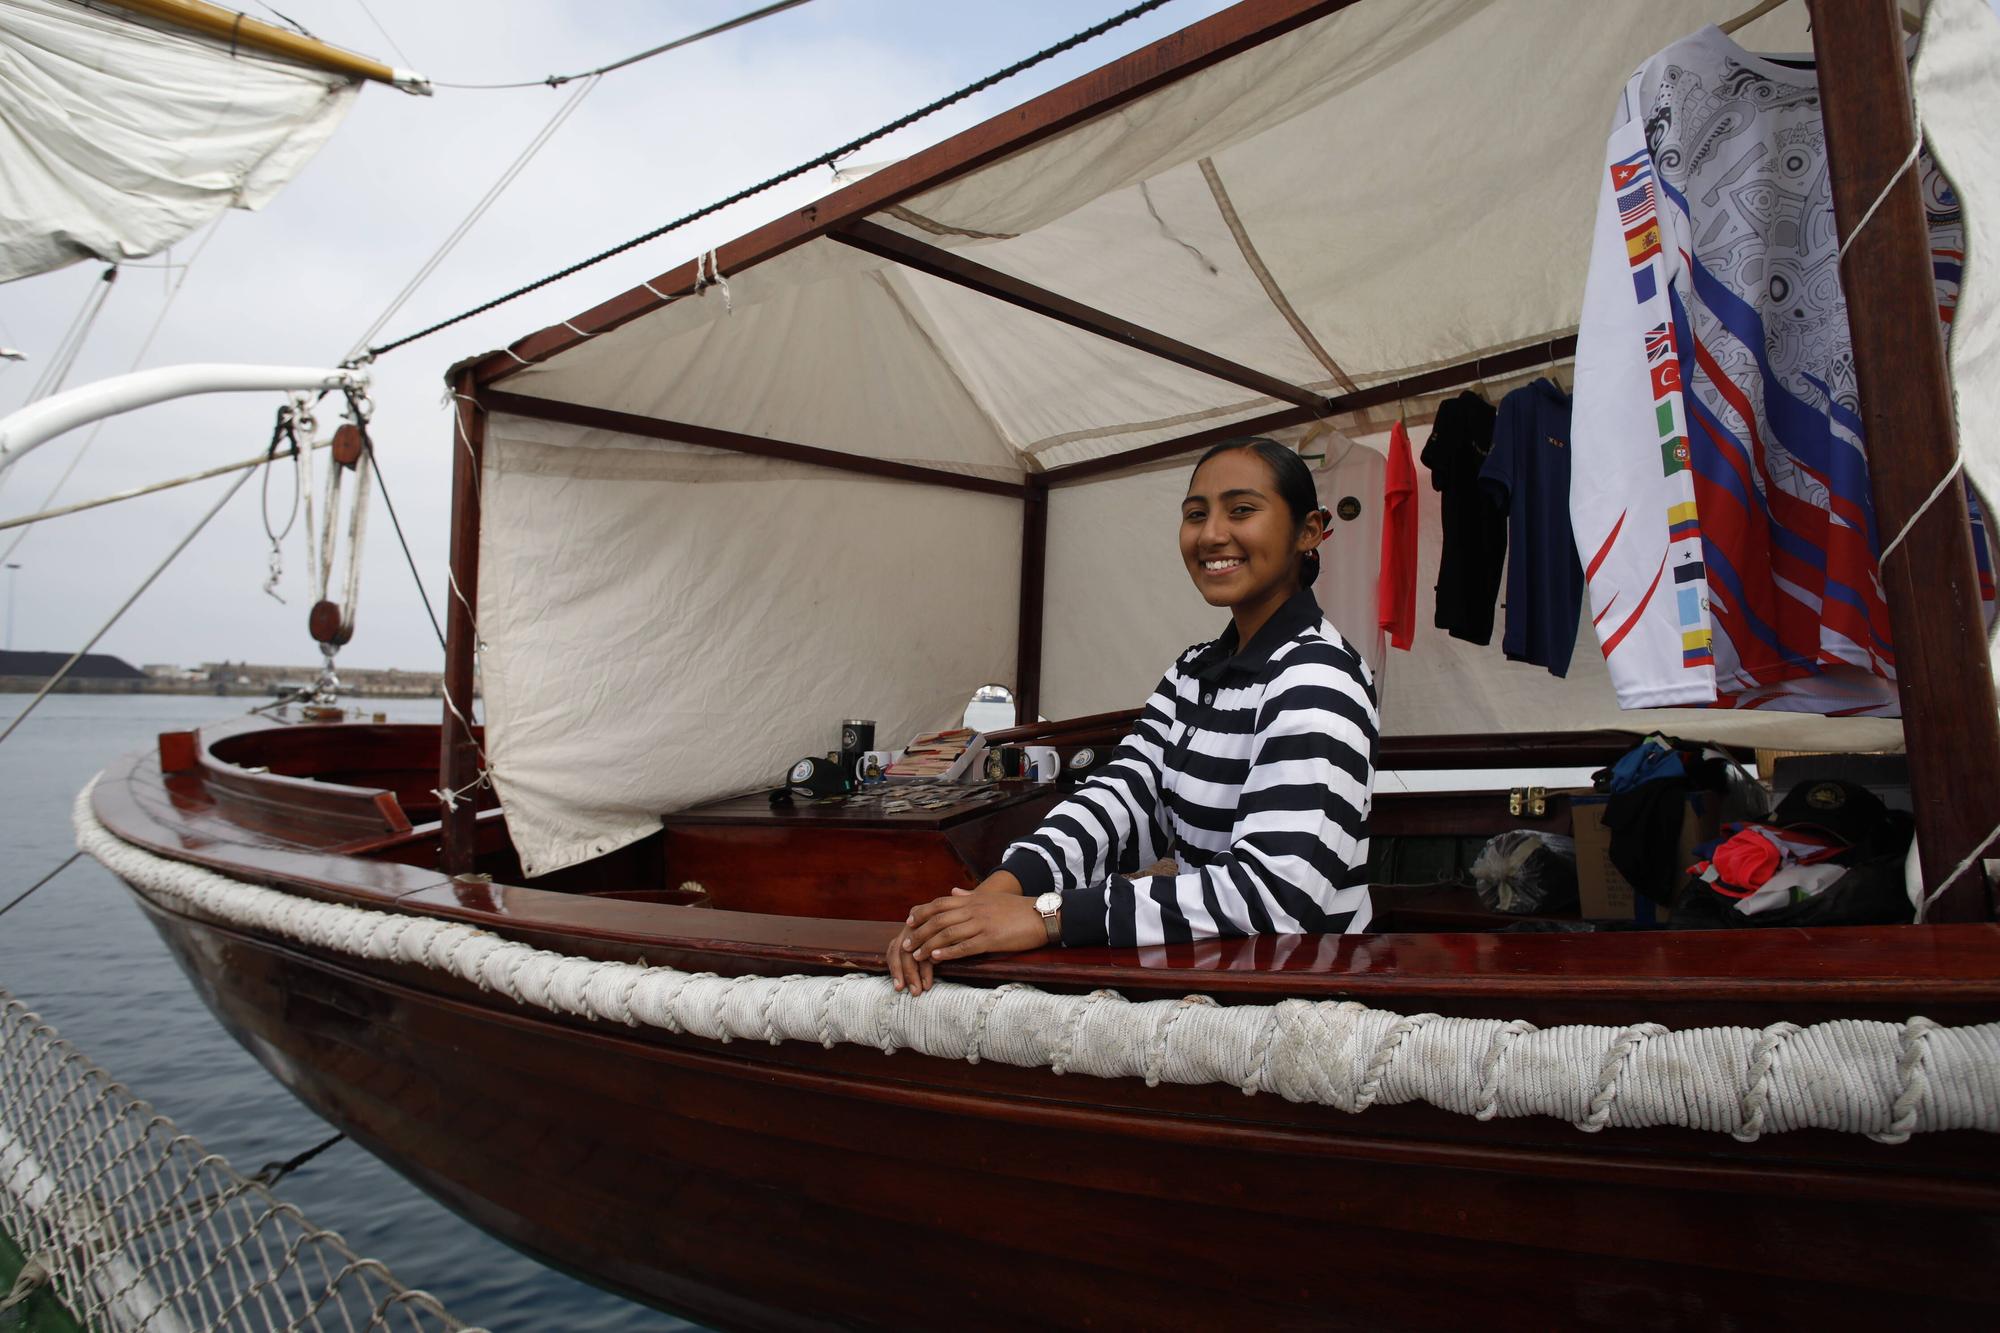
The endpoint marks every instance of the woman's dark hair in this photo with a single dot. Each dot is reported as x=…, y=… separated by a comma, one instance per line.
x=1295, y=487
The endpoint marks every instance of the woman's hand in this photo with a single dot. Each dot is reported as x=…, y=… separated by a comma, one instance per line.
x=960, y=926
x=909, y=972
x=905, y=972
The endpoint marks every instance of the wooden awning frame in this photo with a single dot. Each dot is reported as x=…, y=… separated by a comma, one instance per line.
x=1951, y=726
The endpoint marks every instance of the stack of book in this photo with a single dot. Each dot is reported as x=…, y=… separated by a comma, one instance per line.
x=937, y=754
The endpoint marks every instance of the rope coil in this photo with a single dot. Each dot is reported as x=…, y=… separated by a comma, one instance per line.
x=1887, y=1080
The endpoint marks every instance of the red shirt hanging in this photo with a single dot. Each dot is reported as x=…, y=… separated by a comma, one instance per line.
x=1396, y=591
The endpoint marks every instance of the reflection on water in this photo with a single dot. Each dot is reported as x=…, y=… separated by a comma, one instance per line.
x=81, y=954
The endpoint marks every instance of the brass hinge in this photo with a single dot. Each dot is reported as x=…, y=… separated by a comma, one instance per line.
x=1533, y=802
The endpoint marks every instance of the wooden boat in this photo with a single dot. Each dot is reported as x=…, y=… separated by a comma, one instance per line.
x=365, y=919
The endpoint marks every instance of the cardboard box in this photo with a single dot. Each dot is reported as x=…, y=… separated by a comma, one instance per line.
x=1605, y=894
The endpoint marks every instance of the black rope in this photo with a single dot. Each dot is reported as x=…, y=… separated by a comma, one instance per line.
x=204, y=1204
x=558, y=80
x=38, y=883
x=397, y=524
x=273, y=1172
x=285, y=429
x=824, y=159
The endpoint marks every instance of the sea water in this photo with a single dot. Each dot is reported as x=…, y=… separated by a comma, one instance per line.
x=82, y=955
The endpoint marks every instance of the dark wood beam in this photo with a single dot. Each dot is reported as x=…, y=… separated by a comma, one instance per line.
x=1412, y=386
x=1950, y=725
x=458, y=759
x=1028, y=639
x=885, y=243
x=682, y=432
x=1241, y=27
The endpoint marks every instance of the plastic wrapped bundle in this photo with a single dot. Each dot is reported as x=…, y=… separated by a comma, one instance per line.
x=1527, y=872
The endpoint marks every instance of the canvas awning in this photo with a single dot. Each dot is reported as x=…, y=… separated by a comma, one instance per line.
x=1386, y=188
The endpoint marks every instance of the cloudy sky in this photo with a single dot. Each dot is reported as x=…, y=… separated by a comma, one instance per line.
x=298, y=282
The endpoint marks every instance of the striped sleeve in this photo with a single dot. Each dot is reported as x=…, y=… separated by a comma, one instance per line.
x=1112, y=821
x=1297, y=858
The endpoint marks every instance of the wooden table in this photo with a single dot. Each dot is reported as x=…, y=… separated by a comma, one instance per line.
x=846, y=858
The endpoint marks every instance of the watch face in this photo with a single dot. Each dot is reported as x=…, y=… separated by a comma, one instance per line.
x=1049, y=904
x=802, y=770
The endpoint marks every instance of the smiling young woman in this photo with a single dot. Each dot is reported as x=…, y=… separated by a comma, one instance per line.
x=1250, y=769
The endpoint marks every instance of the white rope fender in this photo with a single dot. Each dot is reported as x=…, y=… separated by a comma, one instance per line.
x=1886, y=1080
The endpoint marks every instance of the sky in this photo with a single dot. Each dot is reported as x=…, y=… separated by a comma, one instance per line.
x=297, y=282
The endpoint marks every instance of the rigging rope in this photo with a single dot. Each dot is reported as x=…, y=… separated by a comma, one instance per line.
x=23, y=895
x=823, y=160
x=138, y=359
x=558, y=80
x=137, y=592
x=285, y=428
x=479, y=210
x=393, y=45
x=402, y=541
x=172, y=483
x=590, y=79
x=52, y=377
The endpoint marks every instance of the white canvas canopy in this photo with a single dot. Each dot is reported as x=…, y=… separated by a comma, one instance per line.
x=119, y=137
x=1397, y=186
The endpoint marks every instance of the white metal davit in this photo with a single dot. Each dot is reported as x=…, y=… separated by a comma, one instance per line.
x=40, y=422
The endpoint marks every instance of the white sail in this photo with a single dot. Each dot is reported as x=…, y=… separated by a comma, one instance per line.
x=119, y=136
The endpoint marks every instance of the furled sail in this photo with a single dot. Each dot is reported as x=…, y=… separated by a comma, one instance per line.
x=119, y=136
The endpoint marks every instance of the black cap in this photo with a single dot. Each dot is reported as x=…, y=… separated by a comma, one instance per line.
x=1847, y=810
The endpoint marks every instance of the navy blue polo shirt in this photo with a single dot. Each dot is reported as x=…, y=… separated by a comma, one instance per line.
x=1527, y=476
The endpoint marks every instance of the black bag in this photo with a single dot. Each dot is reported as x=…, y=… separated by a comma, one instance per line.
x=1871, y=893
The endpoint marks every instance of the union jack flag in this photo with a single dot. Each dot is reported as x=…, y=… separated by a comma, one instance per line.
x=1659, y=342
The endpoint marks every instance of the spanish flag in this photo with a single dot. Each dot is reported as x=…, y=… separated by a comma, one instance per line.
x=1643, y=241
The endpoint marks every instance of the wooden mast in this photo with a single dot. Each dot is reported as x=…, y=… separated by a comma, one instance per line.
x=1028, y=634
x=242, y=30
x=1950, y=724
x=459, y=758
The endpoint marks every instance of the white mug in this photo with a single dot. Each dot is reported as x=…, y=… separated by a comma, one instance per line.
x=1043, y=763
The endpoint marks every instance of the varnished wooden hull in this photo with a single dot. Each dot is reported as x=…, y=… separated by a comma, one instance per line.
x=774, y=1187
x=777, y=1186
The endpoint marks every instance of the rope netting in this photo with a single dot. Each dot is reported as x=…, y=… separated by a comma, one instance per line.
x=133, y=1225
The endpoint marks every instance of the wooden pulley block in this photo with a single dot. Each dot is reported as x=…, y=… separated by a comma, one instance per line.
x=347, y=444
x=324, y=623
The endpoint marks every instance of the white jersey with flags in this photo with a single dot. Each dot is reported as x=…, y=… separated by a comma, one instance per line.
x=1720, y=493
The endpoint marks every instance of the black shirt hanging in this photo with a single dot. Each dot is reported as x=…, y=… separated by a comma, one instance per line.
x=1475, y=529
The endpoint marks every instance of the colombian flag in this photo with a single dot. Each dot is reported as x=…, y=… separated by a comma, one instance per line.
x=1681, y=521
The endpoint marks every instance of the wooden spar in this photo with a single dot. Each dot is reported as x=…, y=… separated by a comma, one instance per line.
x=1943, y=679
x=1411, y=386
x=875, y=239
x=1235, y=30
x=1028, y=637
x=683, y=432
x=241, y=30
x=459, y=758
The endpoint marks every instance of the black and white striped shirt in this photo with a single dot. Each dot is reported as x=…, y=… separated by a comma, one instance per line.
x=1253, y=769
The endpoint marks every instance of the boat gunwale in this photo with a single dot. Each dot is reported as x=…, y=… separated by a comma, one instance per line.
x=1933, y=965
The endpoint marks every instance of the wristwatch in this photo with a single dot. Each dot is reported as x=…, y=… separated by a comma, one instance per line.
x=1050, y=906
